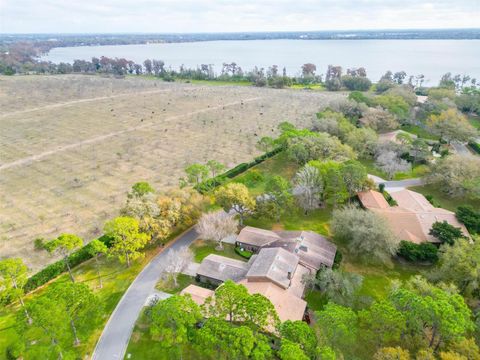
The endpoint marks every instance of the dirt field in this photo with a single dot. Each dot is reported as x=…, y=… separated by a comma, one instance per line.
x=72, y=146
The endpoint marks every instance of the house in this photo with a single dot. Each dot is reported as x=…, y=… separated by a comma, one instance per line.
x=253, y=239
x=313, y=250
x=414, y=216
x=276, y=270
x=215, y=269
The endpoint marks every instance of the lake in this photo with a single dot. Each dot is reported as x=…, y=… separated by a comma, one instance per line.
x=433, y=58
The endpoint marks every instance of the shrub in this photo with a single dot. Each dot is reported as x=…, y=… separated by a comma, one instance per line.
x=417, y=252
x=244, y=253
x=338, y=259
x=445, y=232
x=470, y=217
x=358, y=83
x=475, y=147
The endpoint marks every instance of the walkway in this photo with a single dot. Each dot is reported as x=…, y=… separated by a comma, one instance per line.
x=116, y=334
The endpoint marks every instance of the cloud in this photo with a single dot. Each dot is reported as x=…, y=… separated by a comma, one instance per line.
x=93, y=16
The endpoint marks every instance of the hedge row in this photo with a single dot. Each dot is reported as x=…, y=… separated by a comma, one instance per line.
x=212, y=183
x=418, y=252
x=475, y=147
x=55, y=269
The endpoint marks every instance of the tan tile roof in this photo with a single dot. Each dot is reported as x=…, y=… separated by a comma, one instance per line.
x=223, y=268
x=257, y=237
x=414, y=216
x=273, y=264
x=287, y=305
x=372, y=200
x=198, y=294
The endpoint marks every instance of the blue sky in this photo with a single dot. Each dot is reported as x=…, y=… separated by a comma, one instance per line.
x=93, y=16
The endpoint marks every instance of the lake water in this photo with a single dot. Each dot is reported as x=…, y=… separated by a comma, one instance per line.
x=432, y=58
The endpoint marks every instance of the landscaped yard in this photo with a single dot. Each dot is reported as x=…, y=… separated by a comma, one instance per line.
x=201, y=249
x=168, y=285
x=419, y=131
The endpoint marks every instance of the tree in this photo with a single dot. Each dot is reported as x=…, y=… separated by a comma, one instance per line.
x=260, y=313
x=457, y=175
x=216, y=226
x=379, y=120
x=196, y=173
x=81, y=306
x=13, y=277
x=419, y=150
x=142, y=188
x=308, y=188
x=354, y=176
x=362, y=140
x=382, y=324
x=278, y=192
x=173, y=320
x=390, y=163
x=291, y=351
x=451, y=125
x=64, y=245
x=333, y=77
x=48, y=335
x=418, y=252
x=467, y=348
x=339, y=286
x=215, y=167
x=126, y=238
x=399, y=77
x=236, y=197
x=176, y=261
x=97, y=248
x=335, y=188
x=445, y=232
x=358, y=83
x=148, y=66
x=391, y=353
x=265, y=144
x=338, y=327
x=228, y=303
x=300, y=333
x=470, y=217
x=366, y=234
x=395, y=105
x=438, y=315
x=459, y=264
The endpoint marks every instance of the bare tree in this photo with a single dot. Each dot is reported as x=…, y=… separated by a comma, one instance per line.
x=390, y=163
x=308, y=188
x=216, y=226
x=176, y=261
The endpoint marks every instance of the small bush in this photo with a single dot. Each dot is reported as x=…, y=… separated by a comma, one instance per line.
x=337, y=260
x=418, y=252
x=244, y=253
x=475, y=147
x=470, y=217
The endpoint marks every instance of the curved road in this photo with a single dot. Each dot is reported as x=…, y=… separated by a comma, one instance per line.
x=397, y=184
x=116, y=334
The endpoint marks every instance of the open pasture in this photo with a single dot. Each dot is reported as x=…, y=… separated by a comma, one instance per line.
x=71, y=146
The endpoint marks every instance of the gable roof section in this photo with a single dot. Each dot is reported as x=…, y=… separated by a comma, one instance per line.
x=257, y=237
x=287, y=305
x=223, y=268
x=314, y=250
x=371, y=199
x=273, y=264
x=412, y=200
x=198, y=294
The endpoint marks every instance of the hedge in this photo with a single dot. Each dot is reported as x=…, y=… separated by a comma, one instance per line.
x=55, y=269
x=418, y=252
x=212, y=183
x=475, y=147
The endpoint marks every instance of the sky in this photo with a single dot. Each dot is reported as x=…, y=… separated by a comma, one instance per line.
x=186, y=16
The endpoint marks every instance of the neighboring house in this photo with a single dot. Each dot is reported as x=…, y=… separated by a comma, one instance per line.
x=198, y=294
x=393, y=136
x=414, y=216
x=275, y=271
x=215, y=269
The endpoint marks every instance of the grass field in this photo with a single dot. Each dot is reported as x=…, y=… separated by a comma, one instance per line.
x=201, y=249
x=69, y=153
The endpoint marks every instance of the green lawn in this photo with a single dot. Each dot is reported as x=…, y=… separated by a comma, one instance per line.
x=201, y=249
x=416, y=172
x=419, y=131
x=316, y=87
x=168, y=285
x=371, y=168
x=474, y=121
x=444, y=200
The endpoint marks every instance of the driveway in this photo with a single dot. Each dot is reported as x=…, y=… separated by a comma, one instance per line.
x=396, y=185
x=461, y=149
x=116, y=334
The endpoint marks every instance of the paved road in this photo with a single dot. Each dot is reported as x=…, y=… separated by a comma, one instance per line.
x=461, y=149
x=116, y=334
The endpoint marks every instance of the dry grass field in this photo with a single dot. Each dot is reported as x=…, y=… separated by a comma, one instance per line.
x=71, y=146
